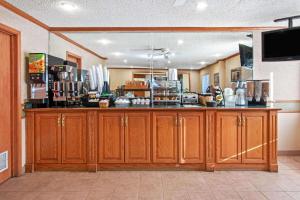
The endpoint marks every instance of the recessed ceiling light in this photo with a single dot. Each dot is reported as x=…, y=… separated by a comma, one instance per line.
x=117, y=53
x=202, y=5
x=131, y=67
x=191, y=68
x=104, y=41
x=173, y=54
x=202, y=62
x=180, y=42
x=125, y=61
x=217, y=55
x=169, y=61
x=67, y=5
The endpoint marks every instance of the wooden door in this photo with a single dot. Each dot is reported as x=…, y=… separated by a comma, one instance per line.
x=228, y=137
x=191, y=137
x=111, y=137
x=5, y=106
x=254, y=137
x=74, y=130
x=48, y=138
x=165, y=137
x=137, y=137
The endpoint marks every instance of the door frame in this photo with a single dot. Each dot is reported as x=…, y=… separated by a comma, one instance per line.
x=77, y=57
x=16, y=138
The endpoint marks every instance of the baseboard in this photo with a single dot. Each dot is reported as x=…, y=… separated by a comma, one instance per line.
x=289, y=153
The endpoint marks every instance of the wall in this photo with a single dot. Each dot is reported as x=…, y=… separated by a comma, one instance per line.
x=33, y=39
x=58, y=47
x=36, y=39
x=223, y=67
x=286, y=86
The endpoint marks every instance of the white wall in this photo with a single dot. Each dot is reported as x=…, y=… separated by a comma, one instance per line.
x=286, y=74
x=33, y=39
x=36, y=39
x=59, y=46
x=286, y=87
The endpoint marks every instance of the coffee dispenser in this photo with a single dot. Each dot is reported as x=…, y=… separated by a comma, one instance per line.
x=38, y=79
x=258, y=92
x=65, y=87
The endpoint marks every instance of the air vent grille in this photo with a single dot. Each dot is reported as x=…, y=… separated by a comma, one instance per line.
x=3, y=161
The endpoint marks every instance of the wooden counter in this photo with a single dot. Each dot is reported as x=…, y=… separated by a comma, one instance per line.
x=151, y=138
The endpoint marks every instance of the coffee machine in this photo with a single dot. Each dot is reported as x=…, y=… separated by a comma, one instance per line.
x=65, y=88
x=38, y=79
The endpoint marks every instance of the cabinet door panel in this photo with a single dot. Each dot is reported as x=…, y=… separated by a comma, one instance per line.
x=254, y=137
x=111, y=138
x=74, y=138
x=48, y=138
x=137, y=137
x=165, y=137
x=228, y=137
x=191, y=134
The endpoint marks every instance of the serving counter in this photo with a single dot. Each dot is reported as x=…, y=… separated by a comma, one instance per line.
x=160, y=137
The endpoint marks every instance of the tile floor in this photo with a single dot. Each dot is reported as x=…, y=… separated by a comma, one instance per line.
x=158, y=185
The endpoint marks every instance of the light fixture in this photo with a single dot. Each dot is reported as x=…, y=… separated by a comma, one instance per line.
x=125, y=61
x=217, y=55
x=117, y=53
x=202, y=5
x=173, y=54
x=180, y=42
x=202, y=63
x=131, y=67
x=191, y=68
x=67, y=5
x=104, y=41
x=169, y=61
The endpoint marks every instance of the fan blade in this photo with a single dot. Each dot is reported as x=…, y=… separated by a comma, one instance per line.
x=178, y=3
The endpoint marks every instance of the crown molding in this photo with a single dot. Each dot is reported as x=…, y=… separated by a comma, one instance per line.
x=23, y=14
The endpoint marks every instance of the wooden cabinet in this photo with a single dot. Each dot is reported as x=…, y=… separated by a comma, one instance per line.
x=74, y=130
x=228, y=137
x=111, y=137
x=48, y=138
x=241, y=137
x=165, y=138
x=254, y=137
x=191, y=137
x=137, y=137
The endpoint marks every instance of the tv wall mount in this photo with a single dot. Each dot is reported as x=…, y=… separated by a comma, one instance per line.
x=289, y=19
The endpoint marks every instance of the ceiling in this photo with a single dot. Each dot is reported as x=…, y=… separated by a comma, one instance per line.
x=197, y=47
x=160, y=12
x=136, y=49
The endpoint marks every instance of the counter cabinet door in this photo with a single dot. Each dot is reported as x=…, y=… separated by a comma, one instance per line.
x=137, y=137
x=111, y=137
x=165, y=138
x=47, y=138
x=191, y=137
x=228, y=137
x=254, y=137
x=74, y=139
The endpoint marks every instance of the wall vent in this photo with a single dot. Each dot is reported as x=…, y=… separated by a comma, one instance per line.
x=3, y=161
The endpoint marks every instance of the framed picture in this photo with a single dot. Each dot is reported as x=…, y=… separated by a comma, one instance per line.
x=235, y=75
x=216, y=79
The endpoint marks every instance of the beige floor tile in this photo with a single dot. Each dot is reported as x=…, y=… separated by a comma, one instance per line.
x=49, y=196
x=250, y=195
x=98, y=195
x=277, y=196
x=226, y=195
x=176, y=195
x=18, y=195
x=294, y=195
x=74, y=195
x=201, y=196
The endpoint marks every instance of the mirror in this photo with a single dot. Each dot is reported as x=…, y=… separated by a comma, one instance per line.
x=201, y=58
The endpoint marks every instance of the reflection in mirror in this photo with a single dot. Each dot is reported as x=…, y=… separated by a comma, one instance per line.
x=201, y=59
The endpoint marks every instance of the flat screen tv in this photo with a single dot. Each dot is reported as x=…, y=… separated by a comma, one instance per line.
x=246, y=55
x=281, y=45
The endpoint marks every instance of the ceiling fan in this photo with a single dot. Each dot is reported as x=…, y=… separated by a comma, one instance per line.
x=165, y=52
